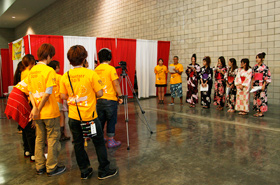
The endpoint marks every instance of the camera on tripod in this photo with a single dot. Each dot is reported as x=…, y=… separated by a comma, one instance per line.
x=122, y=64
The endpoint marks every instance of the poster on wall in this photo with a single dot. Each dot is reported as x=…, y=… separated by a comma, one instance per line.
x=18, y=52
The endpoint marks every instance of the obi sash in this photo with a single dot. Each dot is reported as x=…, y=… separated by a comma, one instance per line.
x=219, y=76
x=243, y=78
x=205, y=76
x=192, y=74
x=230, y=79
x=258, y=76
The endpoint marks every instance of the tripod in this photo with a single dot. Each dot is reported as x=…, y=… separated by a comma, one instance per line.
x=125, y=80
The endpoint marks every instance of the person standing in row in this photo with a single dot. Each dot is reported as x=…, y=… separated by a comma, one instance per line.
x=261, y=78
x=45, y=112
x=176, y=80
x=56, y=66
x=160, y=71
x=81, y=96
x=220, y=83
x=107, y=105
x=230, y=76
x=206, y=76
x=193, y=77
x=242, y=83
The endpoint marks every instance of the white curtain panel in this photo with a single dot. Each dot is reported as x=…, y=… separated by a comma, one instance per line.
x=88, y=42
x=146, y=61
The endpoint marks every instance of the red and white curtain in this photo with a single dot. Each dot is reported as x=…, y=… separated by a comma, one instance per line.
x=140, y=55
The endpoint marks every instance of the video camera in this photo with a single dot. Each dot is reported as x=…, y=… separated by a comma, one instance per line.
x=122, y=64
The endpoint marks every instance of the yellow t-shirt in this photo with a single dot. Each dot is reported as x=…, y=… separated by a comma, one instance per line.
x=160, y=72
x=24, y=74
x=176, y=78
x=40, y=78
x=86, y=83
x=56, y=89
x=107, y=74
x=22, y=86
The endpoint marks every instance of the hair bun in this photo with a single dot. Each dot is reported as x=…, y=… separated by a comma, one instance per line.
x=194, y=55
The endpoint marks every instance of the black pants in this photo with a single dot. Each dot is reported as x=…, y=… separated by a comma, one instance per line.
x=28, y=137
x=107, y=111
x=98, y=141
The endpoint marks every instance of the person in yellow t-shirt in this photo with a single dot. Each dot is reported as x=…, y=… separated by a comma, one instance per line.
x=56, y=66
x=87, y=86
x=45, y=112
x=28, y=61
x=107, y=105
x=176, y=80
x=160, y=71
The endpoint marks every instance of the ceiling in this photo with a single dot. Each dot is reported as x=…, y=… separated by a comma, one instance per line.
x=21, y=10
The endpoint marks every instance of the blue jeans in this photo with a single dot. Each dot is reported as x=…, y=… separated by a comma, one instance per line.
x=107, y=111
x=98, y=141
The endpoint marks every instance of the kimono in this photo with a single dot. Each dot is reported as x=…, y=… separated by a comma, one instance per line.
x=243, y=96
x=220, y=87
x=206, y=74
x=193, y=77
x=261, y=74
x=231, y=96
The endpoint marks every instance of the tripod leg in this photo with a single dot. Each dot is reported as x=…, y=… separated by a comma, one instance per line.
x=125, y=92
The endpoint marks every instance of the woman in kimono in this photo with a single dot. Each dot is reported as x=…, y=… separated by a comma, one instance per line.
x=220, y=83
x=193, y=76
x=206, y=80
x=242, y=83
x=261, y=77
x=230, y=76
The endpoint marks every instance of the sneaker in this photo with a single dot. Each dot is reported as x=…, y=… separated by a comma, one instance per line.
x=87, y=174
x=108, y=174
x=112, y=143
x=171, y=104
x=32, y=158
x=26, y=154
x=41, y=171
x=57, y=171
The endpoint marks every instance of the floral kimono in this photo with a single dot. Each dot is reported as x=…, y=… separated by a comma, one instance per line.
x=193, y=77
x=206, y=75
x=231, y=96
x=261, y=74
x=243, y=96
x=220, y=86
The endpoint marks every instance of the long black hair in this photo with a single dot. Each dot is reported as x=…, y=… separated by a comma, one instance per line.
x=223, y=61
x=233, y=66
x=17, y=76
x=247, y=62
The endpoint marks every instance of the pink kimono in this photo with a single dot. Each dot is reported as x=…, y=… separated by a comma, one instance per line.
x=243, y=96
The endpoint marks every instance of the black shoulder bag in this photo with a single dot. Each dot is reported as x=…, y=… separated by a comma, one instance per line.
x=88, y=127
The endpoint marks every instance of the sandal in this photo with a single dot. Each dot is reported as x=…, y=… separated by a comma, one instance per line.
x=259, y=115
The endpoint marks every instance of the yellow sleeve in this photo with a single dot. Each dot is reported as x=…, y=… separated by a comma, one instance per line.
x=62, y=88
x=28, y=83
x=181, y=69
x=51, y=79
x=166, y=71
x=155, y=70
x=114, y=74
x=97, y=83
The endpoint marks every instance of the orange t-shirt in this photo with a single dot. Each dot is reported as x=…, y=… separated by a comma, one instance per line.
x=107, y=74
x=40, y=78
x=86, y=83
x=160, y=72
x=24, y=74
x=56, y=89
x=175, y=77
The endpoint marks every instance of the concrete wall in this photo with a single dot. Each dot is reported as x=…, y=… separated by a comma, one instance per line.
x=232, y=28
x=6, y=35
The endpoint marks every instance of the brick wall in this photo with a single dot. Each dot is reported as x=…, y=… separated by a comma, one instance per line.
x=6, y=36
x=232, y=28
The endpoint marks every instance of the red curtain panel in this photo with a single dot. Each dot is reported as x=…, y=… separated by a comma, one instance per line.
x=109, y=43
x=163, y=52
x=37, y=40
x=7, y=69
x=126, y=51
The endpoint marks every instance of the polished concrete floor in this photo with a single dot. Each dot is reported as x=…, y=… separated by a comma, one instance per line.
x=189, y=146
